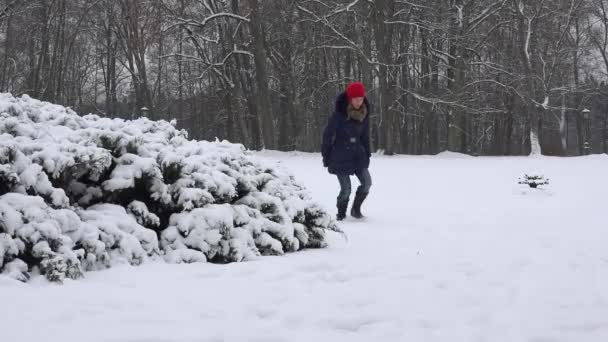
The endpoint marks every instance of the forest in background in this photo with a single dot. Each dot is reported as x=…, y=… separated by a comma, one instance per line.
x=482, y=77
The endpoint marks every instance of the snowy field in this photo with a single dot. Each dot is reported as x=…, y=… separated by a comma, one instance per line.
x=453, y=249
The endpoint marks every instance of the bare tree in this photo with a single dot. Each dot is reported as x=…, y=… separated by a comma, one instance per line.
x=473, y=76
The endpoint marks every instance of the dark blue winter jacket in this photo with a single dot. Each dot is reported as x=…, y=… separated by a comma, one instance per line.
x=345, y=146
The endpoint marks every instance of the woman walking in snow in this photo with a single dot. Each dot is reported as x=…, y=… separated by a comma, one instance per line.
x=346, y=149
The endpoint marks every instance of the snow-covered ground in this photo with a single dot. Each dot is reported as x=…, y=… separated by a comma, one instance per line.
x=453, y=249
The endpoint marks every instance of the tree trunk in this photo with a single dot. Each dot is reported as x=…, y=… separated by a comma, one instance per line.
x=383, y=37
x=134, y=46
x=534, y=122
x=605, y=133
x=160, y=99
x=456, y=121
x=367, y=79
x=563, y=125
x=286, y=100
x=263, y=93
x=525, y=29
x=42, y=60
x=58, y=95
x=4, y=77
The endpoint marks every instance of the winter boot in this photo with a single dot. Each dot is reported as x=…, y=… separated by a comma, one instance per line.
x=342, y=210
x=355, y=211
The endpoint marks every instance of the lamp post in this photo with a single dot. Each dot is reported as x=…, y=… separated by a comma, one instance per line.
x=587, y=116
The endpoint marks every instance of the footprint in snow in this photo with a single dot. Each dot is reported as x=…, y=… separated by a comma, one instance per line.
x=354, y=324
x=318, y=267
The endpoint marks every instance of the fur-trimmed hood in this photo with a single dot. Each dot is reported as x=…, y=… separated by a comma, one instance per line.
x=341, y=104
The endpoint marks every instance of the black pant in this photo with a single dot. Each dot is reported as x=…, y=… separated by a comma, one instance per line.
x=365, y=180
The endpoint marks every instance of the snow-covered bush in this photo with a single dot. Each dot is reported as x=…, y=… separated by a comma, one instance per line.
x=80, y=193
x=64, y=243
x=32, y=233
x=533, y=180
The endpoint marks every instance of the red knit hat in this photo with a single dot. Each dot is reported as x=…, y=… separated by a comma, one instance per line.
x=355, y=89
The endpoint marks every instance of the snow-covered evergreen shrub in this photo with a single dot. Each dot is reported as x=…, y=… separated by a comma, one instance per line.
x=34, y=234
x=103, y=191
x=140, y=212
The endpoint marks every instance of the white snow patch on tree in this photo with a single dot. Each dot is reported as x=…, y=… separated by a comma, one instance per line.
x=535, y=149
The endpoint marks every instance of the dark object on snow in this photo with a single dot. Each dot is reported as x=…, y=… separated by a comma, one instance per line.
x=534, y=181
x=365, y=181
x=355, y=211
x=342, y=205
